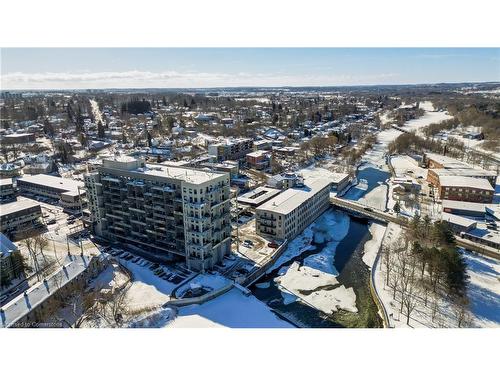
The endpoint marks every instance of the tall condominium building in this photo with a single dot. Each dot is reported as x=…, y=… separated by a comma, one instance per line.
x=289, y=213
x=164, y=211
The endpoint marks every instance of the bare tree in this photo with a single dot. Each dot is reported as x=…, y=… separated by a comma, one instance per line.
x=409, y=298
x=460, y=307
x=387, y=262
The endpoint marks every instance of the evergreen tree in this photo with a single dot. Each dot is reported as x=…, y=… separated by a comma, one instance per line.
x=397, y=208
x=100, y=130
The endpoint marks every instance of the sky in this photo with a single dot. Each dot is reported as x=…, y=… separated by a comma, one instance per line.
x=85, y=68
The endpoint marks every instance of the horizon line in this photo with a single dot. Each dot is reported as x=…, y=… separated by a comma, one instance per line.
x=256, y=87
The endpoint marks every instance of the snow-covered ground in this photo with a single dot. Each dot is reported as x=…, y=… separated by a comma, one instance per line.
x=483, y=293
x=232, y=309
x=146, y=290
x=430, y=116
x=484, y=289
x=372, y=246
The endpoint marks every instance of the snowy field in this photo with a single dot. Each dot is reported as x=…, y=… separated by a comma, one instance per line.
x=430, y=117
x=232, y=309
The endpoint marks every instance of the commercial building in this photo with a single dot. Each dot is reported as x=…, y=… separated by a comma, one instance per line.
x=259, y=159
x=164, y=212
x=483, y=236
x=289, y=213
x=437, y=161
x=466, y=208
x=468, y=189
x=38, y=168
x=286, y=151
x=11, y=262
x=69, y=193
x=458, y=223
x=20, y=216
x=434, y=175
x=232, y=149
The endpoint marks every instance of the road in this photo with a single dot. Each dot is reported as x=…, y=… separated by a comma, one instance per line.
x=95, y=110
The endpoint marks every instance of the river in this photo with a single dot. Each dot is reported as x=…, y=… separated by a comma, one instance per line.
x=347, y=260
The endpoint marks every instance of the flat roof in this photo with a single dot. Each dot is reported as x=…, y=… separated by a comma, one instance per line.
x=9, y=208
x=258, y=196
x=135, y=165
x=193, y=176
x=457, y=220
x=290, y=199
x=486, y=234
x=467, y=182
x=60, y=183
x=318, y=172
x=463, y=172
x=256, y=154
x=446, y=160
x=5, y=181
x=18, y=135
x=467, y=206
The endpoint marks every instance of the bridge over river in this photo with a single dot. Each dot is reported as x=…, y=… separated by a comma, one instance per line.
x=359, y=209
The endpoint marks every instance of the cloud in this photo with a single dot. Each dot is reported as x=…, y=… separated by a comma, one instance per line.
x=144, y=79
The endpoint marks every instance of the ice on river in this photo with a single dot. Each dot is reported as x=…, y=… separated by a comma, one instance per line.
x=315, y=288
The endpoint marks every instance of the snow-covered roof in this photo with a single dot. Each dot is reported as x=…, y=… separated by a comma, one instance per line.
x=39, y=292
x=292, y=198
x=467, y=182
x=9, y=208
x=59, y=183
